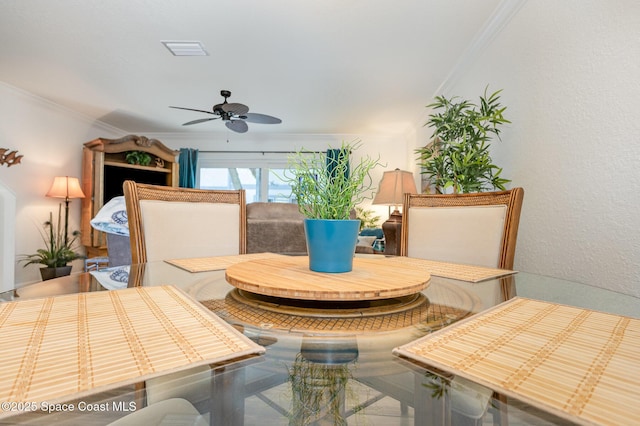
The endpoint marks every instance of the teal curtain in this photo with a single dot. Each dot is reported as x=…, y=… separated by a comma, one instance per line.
x=188, y=165
x=334, y=157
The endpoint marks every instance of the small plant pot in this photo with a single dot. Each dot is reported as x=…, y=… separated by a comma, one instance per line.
x=50, y=273
x=331, y=244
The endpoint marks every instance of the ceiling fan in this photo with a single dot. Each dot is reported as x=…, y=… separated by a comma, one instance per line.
x=236, y=116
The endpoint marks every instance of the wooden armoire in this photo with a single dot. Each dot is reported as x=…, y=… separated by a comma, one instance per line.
x=104, y=169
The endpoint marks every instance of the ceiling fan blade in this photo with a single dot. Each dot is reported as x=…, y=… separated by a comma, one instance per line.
x=200, y=120
x=238, y=126
x=253, y=117
x=191, y=109
x=238, y=109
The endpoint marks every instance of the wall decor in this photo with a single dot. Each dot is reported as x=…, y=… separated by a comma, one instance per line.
x=9, y=159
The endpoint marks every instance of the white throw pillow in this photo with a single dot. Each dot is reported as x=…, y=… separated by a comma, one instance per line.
x=365, y=240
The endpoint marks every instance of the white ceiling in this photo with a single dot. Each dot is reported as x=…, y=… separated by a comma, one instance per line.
x=322, y=66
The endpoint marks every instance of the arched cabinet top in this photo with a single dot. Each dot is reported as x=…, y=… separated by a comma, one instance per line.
x=105, y=167
x=133, y=143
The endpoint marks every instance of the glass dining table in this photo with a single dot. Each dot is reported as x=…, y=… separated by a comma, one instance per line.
x=324, y=362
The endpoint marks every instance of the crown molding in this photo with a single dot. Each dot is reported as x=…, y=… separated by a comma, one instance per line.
x=502, y=15
x=45, y=103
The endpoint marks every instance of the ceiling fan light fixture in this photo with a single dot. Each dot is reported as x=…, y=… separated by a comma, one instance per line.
x=234, y=115
x=185, y=48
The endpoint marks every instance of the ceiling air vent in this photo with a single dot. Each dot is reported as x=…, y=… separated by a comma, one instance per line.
x=185, y=48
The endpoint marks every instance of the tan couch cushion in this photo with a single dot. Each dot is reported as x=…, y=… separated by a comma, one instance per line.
x=275, y=228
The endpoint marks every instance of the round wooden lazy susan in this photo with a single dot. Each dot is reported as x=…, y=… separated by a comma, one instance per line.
x=290, y=277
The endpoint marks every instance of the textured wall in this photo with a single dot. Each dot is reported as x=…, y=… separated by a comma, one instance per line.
x=571, y=77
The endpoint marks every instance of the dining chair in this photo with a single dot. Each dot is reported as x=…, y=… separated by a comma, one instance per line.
x=169, y=223
x=477, y=228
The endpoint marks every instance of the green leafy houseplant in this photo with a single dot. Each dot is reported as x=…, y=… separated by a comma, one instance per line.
x=458, y=155
x=329, y=187
x=59, y=250
x=368, y=219
x=138, y=157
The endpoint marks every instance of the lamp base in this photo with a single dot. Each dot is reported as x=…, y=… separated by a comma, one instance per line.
x=391, y=229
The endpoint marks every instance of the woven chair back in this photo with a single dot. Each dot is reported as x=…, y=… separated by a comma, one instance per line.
x=172, y=223
x=477, y=228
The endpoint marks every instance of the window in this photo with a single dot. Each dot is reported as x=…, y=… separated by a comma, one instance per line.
x=259, y=174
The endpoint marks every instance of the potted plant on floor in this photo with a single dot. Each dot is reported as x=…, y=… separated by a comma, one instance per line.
x=457, y=159
x=58, y=251
x=327, y=188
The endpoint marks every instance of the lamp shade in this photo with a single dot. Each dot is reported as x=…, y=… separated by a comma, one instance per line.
x=393, y=185
x=65, y=187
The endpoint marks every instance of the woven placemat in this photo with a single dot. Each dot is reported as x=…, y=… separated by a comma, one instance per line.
x=217, y=263
x=579, y=364
x=456, y=271
x=61, y=348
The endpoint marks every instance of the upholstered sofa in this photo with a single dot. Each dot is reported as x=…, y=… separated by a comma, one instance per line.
x=279, y=228
x=275, y=228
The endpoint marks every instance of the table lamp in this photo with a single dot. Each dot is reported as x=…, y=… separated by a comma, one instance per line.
x=393, y=186
x=65, y=187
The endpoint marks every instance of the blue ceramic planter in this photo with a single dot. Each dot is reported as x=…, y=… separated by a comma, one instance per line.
x=331, y=244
